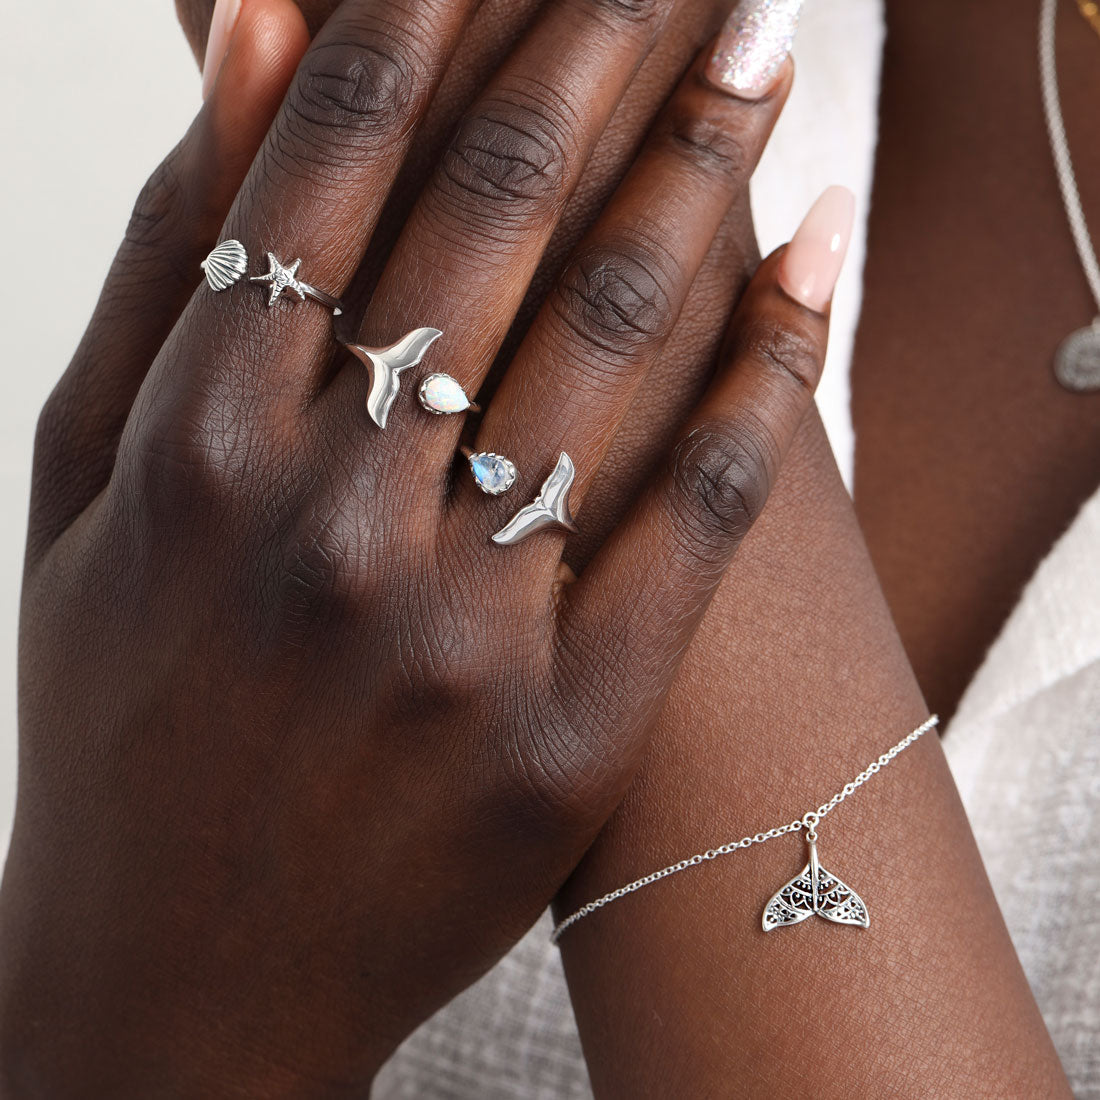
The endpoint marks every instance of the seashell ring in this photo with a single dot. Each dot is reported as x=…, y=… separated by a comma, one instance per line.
x=227, y=264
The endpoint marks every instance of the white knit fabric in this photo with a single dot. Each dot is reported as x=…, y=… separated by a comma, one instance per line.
x=1025, y=750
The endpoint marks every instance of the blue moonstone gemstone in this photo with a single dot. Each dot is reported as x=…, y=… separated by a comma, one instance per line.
x=494, y=475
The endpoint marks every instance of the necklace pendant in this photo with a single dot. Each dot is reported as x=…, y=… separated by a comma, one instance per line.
x=814, y=892
x=1077, y=361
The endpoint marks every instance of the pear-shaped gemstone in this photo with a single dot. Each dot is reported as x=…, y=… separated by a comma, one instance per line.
x=494, y=475
x=440, y=393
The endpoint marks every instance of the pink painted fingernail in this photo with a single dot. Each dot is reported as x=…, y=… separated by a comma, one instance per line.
x=811, y=263
x=752, y=46
x=222, y=24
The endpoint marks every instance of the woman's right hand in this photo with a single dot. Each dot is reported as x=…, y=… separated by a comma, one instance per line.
x=303, y=752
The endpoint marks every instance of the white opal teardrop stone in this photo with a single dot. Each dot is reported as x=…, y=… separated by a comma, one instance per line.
x=440, y=393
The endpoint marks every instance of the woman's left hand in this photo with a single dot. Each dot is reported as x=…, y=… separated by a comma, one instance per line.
x=303, y=750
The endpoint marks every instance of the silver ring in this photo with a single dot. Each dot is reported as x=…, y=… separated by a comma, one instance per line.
x=284, y=280
x=385, y=366
x=549, y=509
x=227, y=264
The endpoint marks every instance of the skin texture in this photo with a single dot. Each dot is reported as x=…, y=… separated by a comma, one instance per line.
x=794, y=683
x=321, y=708
x=1006, y=457
x=676, y=989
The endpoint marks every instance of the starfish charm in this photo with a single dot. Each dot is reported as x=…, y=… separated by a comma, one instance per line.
x=385, y=366
x=283, y=280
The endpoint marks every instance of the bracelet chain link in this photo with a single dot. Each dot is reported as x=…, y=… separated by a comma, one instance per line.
x=808, y=821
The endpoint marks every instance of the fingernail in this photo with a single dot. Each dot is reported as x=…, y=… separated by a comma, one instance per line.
x=217, y=42
x=811, y=263
x=752, y=46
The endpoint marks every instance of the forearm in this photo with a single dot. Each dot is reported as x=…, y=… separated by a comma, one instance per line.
x=795, y=683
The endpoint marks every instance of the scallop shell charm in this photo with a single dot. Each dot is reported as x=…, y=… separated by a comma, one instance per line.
x=226, y=265
x=441, y=394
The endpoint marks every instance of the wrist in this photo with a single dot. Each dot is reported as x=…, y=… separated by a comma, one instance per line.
x=87, y=1009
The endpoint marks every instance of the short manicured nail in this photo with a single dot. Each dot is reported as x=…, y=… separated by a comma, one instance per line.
x=225, y=17
x=753, y=45
x=811, y=263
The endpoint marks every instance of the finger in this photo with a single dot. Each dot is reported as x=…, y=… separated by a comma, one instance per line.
x=174, y=224
x=472, y=243
x=606, y=323
x=646, y=590
x=316, y=188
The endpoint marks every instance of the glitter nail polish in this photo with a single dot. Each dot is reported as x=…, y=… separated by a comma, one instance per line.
x=753, y=45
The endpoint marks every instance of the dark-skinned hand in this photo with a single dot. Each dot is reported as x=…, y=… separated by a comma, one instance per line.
x=303, y=752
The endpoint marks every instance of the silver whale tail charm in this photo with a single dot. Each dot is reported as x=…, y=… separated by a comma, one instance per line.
x=386, y=364
x=818, y=891
x=549, y=509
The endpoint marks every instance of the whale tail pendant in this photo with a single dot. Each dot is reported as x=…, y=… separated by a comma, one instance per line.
x=818, y=891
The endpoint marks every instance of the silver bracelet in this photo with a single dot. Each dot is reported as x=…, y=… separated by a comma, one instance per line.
x=814, y=890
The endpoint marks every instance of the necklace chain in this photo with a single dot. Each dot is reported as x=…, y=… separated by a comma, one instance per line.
x=808, y=821
x=1059, y=142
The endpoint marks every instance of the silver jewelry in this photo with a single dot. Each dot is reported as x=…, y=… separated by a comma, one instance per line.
x=284, y=280
x=549, y=509
x=813, y=891
x=1077, y=361
x=441, y=395
x=225, y=266
x=385, y=366
x=493, y=474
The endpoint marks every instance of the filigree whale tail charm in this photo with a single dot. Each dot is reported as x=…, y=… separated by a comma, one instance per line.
x=549, y=509
x=818, y=891
x=386, y=364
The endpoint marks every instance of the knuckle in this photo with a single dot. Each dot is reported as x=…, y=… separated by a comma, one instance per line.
x=161, y=197
x=787, y=350
x=709, y=145
x=614, y=299
x=54, y=420
x=508, y=160
x=189, y=467
x=350, y=98
x=547, y=784
x=635, y=11
x=720, y=482
x=318, y=581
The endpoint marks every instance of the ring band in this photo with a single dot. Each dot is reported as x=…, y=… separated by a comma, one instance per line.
x=284, y=279
x=228, y=263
